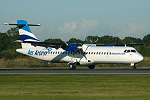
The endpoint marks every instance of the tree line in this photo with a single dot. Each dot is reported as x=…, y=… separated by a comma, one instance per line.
x=8, y=46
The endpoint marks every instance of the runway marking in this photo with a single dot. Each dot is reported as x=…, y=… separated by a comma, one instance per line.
x=86, y=73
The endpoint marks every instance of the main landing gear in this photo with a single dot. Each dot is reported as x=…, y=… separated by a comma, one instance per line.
x=91, y=67
x=72, y=66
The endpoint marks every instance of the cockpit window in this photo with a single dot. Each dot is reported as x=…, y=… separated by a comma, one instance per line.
x=133, y=51
x=130, y=51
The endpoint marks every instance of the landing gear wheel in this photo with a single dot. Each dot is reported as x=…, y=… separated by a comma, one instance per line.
x=72, y=66
x=91, y=67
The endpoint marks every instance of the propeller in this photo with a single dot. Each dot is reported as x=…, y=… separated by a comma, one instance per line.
x=79, y=48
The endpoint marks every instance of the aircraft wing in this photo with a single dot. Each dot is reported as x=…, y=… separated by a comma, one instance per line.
x=130, y=44
x=47, y=44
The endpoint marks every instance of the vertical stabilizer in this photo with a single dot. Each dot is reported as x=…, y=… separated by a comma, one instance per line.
x=25, y=32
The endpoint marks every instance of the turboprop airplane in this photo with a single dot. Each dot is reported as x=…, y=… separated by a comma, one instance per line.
x=75, y=54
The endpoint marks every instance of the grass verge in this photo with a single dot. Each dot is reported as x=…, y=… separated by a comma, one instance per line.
x=74, y=87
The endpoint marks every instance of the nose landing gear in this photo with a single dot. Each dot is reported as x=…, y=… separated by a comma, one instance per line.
x=133, y=65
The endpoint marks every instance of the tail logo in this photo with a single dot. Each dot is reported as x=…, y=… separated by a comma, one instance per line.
x=25, y=32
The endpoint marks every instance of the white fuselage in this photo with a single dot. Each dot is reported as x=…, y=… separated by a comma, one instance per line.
x=93, y=55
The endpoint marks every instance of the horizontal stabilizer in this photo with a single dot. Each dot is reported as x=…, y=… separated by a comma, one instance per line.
x=23, y=24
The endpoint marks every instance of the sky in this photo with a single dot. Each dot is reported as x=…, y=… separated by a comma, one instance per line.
x=67, y=19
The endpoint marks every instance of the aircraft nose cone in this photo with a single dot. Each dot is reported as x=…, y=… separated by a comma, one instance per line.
x=140, y=58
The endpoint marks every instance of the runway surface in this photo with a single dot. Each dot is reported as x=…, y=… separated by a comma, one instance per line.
x=77, y=71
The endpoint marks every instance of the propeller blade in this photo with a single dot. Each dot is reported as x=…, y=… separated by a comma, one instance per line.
x=79, y=48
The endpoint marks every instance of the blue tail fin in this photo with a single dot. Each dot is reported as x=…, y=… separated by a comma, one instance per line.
x=25, y=32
